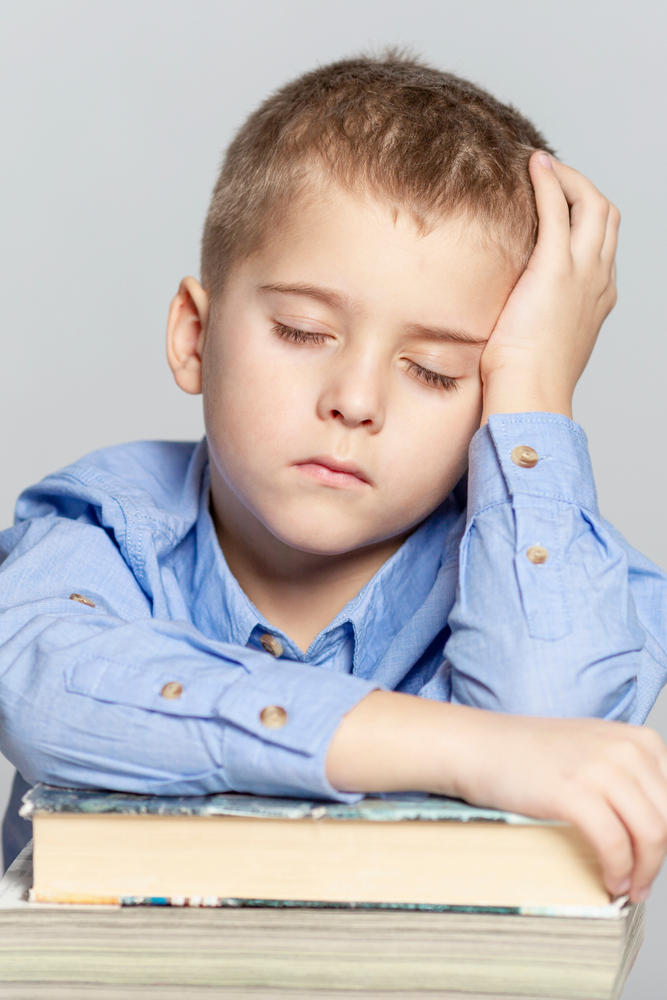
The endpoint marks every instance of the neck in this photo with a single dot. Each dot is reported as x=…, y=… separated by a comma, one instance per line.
x=298, y=592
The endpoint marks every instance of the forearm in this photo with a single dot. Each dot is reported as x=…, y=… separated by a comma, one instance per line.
x=392, y=742
x=555, y=635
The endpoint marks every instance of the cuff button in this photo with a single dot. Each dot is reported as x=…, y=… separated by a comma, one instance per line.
x=172, y=690
x=273, y=717
x=537, y=554
x=524, y=456
x=270, y=644
x=81, y=599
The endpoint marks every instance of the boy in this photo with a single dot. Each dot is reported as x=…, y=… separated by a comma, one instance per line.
x=302, y=604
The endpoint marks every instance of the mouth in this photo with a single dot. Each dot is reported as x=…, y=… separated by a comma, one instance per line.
x=332, y=472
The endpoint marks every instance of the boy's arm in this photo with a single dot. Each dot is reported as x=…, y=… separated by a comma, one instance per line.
x=607, y=778
x=88, y=695
x=545, y=621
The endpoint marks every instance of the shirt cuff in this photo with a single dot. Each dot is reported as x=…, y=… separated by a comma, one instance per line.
x=527, y=455
x=291, y=759
x=278, y=716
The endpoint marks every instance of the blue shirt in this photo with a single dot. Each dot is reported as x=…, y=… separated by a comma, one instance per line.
x=460, y=613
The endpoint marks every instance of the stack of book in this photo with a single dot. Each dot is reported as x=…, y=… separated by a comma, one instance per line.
x=241, y=896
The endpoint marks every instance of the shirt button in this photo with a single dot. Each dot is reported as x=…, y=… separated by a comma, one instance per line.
x=172, y=690
x=270, y=644
x=273, y=717
x=537, y=554
x=525, y=456
x=81, y=599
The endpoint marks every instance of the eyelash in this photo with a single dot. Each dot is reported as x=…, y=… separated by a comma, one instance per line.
x=424, y=375
x=432, y=379
x=298, y=336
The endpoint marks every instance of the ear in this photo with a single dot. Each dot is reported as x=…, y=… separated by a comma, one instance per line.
x=186, y=332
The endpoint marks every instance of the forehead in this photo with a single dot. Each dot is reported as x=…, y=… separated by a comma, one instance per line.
x=382, y=261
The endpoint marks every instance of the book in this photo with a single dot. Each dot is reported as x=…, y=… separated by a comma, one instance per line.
x=61, y=951
x=389, y=896
x=420, y=851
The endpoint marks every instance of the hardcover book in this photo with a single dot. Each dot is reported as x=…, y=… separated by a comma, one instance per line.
x=425, y=851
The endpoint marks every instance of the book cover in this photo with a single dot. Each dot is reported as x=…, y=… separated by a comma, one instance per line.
x=374, y=808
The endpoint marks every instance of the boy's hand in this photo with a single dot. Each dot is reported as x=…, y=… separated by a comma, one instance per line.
x=548, y=327
x=607, y=778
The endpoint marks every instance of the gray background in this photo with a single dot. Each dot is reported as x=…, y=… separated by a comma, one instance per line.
x=113, y=119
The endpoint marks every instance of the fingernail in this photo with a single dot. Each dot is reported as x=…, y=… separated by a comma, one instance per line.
x=624, y=887
x=643, y=895
x=545, y=160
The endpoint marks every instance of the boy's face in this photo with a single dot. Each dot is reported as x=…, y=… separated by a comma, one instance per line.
x=341, y=372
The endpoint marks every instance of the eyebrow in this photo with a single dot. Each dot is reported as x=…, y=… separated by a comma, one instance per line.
x=336, y=299
x=326, y=295
x=446, y=334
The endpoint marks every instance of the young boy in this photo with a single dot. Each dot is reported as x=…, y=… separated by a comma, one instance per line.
x=303, y=604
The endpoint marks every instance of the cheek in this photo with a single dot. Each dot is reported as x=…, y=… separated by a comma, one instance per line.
x=254, y=402
x=427, y=451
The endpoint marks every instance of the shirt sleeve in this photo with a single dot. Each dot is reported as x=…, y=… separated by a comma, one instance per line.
x=544, y=622
x=83, y=701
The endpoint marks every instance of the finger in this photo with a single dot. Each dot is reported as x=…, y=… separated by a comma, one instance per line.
x=643, y=755
x=552, y=208
x=608, y=251
x=609, y=837
x=589, y=211
x=647, y=829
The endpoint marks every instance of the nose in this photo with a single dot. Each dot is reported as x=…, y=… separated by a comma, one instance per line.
x=354, y=393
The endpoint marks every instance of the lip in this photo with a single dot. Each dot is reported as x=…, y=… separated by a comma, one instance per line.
x=333, y=472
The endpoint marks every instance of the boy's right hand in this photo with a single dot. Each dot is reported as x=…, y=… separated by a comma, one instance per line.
x=547, y=329
x=607, y=778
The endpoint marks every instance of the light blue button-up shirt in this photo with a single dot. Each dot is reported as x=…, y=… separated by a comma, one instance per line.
x=459, y=613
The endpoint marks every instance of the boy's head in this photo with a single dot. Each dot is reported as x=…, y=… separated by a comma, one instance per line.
x=425, y=142
x=367, y=227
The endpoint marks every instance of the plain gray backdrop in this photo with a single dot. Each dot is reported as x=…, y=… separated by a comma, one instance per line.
x=113, y=119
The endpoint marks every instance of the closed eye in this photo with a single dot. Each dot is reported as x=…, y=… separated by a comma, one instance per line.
x=425, y=375
x=433, y=379
x=299, y=336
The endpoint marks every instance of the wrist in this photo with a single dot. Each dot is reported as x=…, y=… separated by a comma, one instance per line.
x=392, y=742
x=517, y=391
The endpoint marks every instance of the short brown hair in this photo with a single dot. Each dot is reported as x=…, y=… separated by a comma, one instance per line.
x=424, y=140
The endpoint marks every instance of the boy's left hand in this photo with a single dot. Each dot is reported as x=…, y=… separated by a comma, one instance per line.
x=548, y=327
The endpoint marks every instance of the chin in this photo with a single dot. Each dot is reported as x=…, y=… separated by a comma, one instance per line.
x=322, y=544
x=322, y=537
